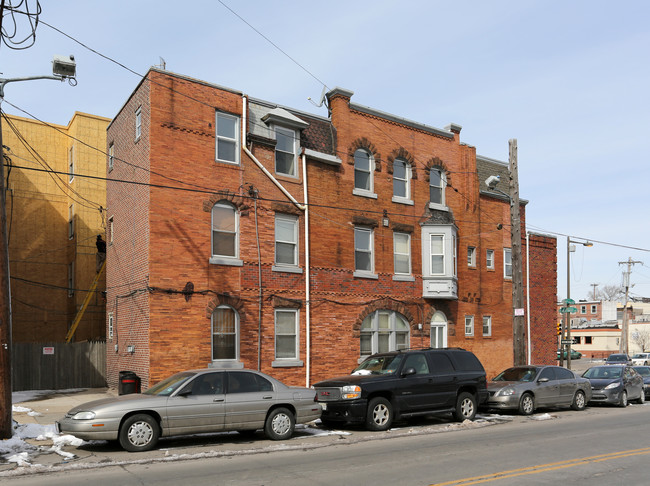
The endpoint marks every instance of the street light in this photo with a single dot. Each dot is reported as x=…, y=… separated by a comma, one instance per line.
x=567, y=315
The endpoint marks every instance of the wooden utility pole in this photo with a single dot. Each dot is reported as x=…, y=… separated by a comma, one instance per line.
x=518, y=328
x=623, y=347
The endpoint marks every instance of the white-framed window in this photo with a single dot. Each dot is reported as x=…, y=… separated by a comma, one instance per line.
x=225, y=230
x=227, y=138
x=437, y=254
x=111, y=156
x=71, y=164
x=71, y=221
x=594, y=310
x=437, y=183
x=111, y=230
x=286, y=334
x=138, y=123
x=402, y=253
x=583, y=309
x=110, y=325
x=469, y=325
x=489, y=259
x=225, y=334
x=364, y=250
x=363, y=171
x=439, y=330
x=382, y=331
x=286, y=240
x=70, y=279
x=471, y=256
x=285, y=152
x=487, y=325
x=401, y=180
x=507, y=262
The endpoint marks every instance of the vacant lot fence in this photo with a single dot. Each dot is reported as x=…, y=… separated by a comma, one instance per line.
x=58, y=366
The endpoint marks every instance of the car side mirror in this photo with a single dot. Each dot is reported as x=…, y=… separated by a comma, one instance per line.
x=184, y=393
x=542, y=380
x=408, y=372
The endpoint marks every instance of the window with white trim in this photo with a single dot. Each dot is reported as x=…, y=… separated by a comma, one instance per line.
x=225, y=230
x=363, y=250
x=110, y=325
x=71, y=164
x=489, y=259
x=111, y=156
x=225, y=334
x=437, y=183
x=285, y=151
x=594, y=310
x=471, y=256
x=363, y=170
x=382, y=331
x=138, y=123
x=286, y=334
x=583, y=309
x=110, y=230
x=402, y=253
x=401, y=180
x=507, y=262
x=437, y=254
x=487, y=325
x=71, y=221
x=469, y=325
x=439, y=330
x=227, y=131
x=286, y=240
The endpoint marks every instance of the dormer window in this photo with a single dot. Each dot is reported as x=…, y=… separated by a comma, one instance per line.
x=285, y=152
x=437, y=183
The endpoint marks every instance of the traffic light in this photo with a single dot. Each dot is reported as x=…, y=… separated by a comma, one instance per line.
x=559, y=328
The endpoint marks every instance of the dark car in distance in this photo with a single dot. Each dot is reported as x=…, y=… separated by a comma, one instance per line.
x=615, y=384
x=405, y=384
x=618, y=359
x=644, y=371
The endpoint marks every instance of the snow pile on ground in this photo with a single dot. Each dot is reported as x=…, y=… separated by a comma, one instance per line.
x=543, y=416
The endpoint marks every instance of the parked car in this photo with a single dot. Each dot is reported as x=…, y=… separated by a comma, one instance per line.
x=644, y=371
x=192, y=402
x=615, y=384
x=574, y=354
x=403, y=384
x=526, y=388
x=618, y=359
x=641, y=359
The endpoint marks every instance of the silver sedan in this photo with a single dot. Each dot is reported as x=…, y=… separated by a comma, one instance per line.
x=191, y=402
x=525, y=388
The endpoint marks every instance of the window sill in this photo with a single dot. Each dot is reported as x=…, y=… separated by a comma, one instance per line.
x=229, y=162
x=227, y=364
x=232, y=262
x=276, y=268
x=289, y=363
x=401, y=200
x=362, y=193
x=440, y=207
x=403, y=278
x=372, y=276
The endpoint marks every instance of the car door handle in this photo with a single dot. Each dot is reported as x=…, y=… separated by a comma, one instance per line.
x=267, y=397
x=217, y=400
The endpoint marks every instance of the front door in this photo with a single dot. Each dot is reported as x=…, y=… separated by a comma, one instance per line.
x=198, y=407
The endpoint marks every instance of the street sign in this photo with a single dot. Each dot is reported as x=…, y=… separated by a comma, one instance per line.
x=568, y=310
x=567, y=341
x=569, y=301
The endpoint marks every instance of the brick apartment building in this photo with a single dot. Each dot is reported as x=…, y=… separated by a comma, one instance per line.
x=245, y=234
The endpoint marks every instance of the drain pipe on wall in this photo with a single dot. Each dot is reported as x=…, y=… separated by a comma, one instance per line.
x=307, y=272
x=528, y=293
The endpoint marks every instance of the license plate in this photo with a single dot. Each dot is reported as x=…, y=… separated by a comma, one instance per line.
x=323, y=406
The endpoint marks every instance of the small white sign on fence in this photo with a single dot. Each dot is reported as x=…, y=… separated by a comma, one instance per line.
x=48, y=349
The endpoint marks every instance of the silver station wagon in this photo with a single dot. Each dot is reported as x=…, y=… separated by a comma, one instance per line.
x=197, y=401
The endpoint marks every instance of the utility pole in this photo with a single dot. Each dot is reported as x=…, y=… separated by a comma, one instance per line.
x=626, y=283
x=593, y=292
x=518, y=328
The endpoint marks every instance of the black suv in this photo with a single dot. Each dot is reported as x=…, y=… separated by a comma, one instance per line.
x=403, y=384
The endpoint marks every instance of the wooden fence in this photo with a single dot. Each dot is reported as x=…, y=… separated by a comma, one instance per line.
x=58, y=366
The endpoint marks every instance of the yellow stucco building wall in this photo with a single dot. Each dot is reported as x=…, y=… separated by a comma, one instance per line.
x=53, y=221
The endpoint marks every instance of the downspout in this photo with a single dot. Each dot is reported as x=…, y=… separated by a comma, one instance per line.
x=307, y=272
x=528, y=294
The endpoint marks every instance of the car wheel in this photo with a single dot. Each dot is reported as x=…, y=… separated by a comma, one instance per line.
x=526, y=404
x=465, y=407
x=579, y=401
x=139, y=433
x=379, y=415
x=622, y=402
x=641, y=399
x=279, y=424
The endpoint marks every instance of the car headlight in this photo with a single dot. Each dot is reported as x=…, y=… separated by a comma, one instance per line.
x=350, y=392
x=83, y=416
x=506, y=392
x=612, y=385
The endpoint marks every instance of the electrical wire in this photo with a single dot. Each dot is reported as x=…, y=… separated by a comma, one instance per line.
x=10, y=15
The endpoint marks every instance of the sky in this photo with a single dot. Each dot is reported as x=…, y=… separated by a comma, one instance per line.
x=568, y=80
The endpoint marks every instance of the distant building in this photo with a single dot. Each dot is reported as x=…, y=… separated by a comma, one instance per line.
x=53, y=221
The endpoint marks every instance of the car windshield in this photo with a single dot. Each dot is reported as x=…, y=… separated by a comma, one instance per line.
x=379, y=365
x=642, y=370
x=169, y=385
x=517, y=374
x=604, y=372
x=617, y=357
